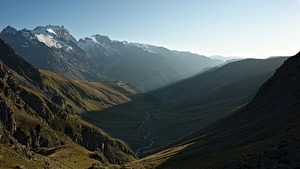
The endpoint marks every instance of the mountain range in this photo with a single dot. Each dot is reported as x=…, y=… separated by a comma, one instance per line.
x=97, y=58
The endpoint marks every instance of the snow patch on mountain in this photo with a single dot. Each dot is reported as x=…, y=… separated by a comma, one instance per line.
x=93, y=38
x=98, y=42
x=48, y=40
x=142, y=46
x=51, y=31
x=87, y=43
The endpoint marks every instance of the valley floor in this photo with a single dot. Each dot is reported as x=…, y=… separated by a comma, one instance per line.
x=147, y=136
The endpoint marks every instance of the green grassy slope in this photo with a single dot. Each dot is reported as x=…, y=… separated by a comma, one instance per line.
x=87, y=96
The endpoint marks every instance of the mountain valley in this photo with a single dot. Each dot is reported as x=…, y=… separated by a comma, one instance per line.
x=262, y=134
x=198, y=101
x=101, y=103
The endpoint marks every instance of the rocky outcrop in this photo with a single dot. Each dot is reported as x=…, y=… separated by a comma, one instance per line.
x=99, y=142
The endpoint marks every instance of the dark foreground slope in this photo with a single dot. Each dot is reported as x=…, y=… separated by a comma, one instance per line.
x=264, y=134
x=40, y=126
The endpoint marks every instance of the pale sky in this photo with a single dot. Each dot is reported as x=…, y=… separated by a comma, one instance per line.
x=246, y=28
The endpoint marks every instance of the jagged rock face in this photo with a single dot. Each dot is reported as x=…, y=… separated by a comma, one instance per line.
x=52, y=48
x=29, y=117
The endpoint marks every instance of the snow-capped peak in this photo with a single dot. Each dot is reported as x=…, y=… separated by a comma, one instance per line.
x=55, y=31
x=86, y=43
x=97, y=42
x=52, y=36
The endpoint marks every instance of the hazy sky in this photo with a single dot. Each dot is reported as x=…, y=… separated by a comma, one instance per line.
x=255, y=28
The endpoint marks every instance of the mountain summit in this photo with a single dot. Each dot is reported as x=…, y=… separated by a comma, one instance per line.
x=53, y=36
x=58, y=31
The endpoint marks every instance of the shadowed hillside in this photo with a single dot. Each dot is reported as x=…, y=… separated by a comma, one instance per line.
x=207, y=97
x=264, y=134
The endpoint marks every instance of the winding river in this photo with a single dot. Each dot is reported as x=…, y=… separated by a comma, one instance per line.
x=147, y=134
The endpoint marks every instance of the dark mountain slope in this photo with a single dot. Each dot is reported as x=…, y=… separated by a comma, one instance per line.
x=39, y=125
x=207, y=97
x=264, y=134
x=18, y=64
